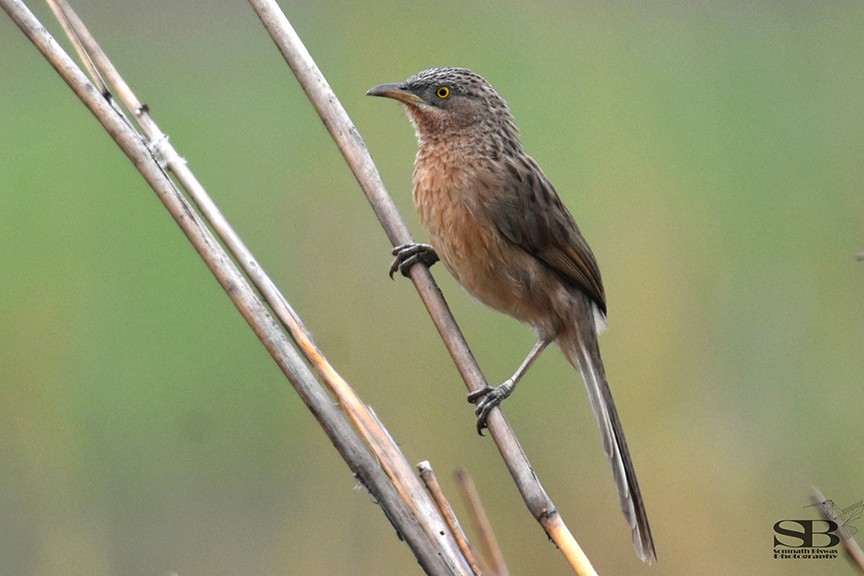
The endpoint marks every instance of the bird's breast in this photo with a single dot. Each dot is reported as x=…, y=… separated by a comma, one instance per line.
x=455, y=201
x=448, y=193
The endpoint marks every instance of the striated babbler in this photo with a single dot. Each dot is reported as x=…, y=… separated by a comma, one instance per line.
x=497, y=224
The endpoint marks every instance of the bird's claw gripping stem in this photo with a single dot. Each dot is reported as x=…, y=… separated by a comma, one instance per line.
x=406, y=255
x=488, y=398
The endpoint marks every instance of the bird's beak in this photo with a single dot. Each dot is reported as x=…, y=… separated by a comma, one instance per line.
x=397, y=92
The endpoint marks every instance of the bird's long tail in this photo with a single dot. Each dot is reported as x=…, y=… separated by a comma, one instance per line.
x=579, y=345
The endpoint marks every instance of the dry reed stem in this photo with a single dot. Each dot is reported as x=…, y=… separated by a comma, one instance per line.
x=432, y=551
x=427, y=474
x=477, y=515
x=354, y=150
x=355, y=153
x=389, y=455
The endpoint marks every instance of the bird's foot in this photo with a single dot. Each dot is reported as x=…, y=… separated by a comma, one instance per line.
x=488, y=398
x=409, y=254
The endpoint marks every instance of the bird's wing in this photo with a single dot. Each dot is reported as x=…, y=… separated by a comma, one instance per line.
x=529, y=213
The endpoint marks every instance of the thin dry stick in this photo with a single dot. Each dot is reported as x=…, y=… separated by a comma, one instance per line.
x=379, y=440
x=482, y=526
x=432, y=556
x=357, y=156
x=850, y=545
x=427, y=474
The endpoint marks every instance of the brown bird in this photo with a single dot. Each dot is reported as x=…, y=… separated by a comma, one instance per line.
x=497, y=224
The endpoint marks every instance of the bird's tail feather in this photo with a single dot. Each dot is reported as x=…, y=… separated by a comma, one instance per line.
x=581, y=349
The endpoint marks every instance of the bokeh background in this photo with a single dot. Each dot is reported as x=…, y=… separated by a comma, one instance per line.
x=711, y=153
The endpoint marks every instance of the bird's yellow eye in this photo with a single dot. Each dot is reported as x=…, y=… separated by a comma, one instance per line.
x=443, y=92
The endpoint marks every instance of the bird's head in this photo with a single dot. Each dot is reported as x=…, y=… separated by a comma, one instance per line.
x=447, y=102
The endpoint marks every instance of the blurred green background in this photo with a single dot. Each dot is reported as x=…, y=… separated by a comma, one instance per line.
x=712, y=155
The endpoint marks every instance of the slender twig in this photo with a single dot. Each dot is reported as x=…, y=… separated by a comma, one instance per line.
x=850, y=545
x=477, y=515
x=354, y=150
x=407, y=506
x=79, y=47
x=427, y=474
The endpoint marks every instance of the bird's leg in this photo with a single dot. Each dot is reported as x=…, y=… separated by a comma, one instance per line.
x=488, y=397
x=409, y=254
